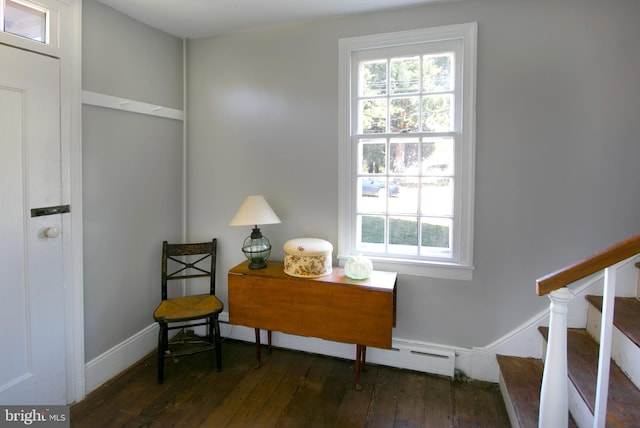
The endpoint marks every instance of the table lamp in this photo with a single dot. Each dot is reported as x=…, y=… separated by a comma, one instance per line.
x=254, y=211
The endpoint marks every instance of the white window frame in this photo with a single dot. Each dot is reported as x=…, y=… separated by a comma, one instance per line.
x=460, y=266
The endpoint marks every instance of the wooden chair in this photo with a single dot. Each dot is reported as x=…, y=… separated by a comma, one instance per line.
x=185, y=262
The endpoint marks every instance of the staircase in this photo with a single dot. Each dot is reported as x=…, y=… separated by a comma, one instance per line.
x=521, y=378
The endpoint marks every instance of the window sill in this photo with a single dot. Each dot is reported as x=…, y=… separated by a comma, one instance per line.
x=428, y=269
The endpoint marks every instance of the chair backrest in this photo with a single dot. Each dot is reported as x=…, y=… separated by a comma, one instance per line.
x=189, y=261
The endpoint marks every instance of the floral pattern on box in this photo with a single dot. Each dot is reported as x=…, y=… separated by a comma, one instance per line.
x=307, y=266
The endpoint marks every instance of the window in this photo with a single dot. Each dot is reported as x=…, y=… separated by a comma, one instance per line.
x=407, y=107
x=24, y=19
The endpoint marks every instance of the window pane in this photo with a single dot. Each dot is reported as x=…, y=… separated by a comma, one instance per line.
x=372, y=156
x=25, y=21
x=403, y=156
x=404, y=114
x=373, y=116
x=372, y=78
x=372, y=229
x=405, y=75
x=403, y=231
x=437, y=111
x=403, y=195
x=372, y=194
x=437, y=196
x=437, y=76
x=435, y=233
x=437, y=156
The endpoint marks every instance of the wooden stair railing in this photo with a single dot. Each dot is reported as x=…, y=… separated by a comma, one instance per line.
x=570, y=274
x=554, y=391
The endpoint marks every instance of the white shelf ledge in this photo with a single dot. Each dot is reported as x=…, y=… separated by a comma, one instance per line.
x=118, y=103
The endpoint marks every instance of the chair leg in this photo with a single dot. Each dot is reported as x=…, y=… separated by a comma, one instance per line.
x=163, y=339
x=210, y=330
x=218, y=342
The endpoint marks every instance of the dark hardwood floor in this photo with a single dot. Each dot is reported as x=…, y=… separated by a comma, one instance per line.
x=291, y=389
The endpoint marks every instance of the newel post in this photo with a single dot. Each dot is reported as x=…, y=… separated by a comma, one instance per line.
x=554, y=407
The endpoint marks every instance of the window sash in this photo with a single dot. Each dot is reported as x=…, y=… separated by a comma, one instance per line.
x=400, y=208
x=454, y=261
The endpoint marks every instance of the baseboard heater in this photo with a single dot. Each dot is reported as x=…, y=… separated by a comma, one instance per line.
x=416, y=356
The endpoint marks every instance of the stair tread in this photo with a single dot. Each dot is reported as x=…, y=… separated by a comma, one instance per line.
x=523, y=379
x=582, y=367
x=625, y=315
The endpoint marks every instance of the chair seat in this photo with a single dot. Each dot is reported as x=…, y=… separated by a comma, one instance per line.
x=187, y=308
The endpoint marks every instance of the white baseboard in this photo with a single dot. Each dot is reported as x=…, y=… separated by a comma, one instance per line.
x=406, y=354
x=120, y=357
x=522, y=342
x=478, y=363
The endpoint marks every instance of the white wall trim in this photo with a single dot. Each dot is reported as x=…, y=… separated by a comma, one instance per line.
x=185, y=136
x=525, y=341
x=120, y=357
x=76, y=343
x=118, y=103
x=477, y=363
x=419, y=356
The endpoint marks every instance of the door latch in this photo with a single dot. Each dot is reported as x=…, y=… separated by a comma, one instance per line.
x=60, y=209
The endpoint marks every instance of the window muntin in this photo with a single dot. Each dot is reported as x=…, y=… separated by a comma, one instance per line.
x=409, y=149
x=25, y=19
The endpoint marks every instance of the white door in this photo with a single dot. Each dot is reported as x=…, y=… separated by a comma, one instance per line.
x=32, y=312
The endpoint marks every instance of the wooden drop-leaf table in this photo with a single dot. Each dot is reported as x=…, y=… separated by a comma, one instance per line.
x=332, y=307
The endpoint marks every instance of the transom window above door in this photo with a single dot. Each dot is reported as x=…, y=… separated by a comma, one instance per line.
x=25, y=19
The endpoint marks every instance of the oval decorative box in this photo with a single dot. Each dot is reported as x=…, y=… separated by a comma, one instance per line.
x=307, y=257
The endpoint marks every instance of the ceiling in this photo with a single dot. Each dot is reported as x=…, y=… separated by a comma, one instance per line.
x=204, y=18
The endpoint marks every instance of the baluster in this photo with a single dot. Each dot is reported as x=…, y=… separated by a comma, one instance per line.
x=604, y=358
x=554, y=408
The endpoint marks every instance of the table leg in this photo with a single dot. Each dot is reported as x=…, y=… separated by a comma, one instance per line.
x=364, y=359
x=361, y=353
x=258, y=357
x=269, y=341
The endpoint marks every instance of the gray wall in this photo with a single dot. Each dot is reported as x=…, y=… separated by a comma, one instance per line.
x=557, y=146
x=132, y=173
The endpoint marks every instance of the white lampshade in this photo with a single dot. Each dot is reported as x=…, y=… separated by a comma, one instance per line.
x=253, y=211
